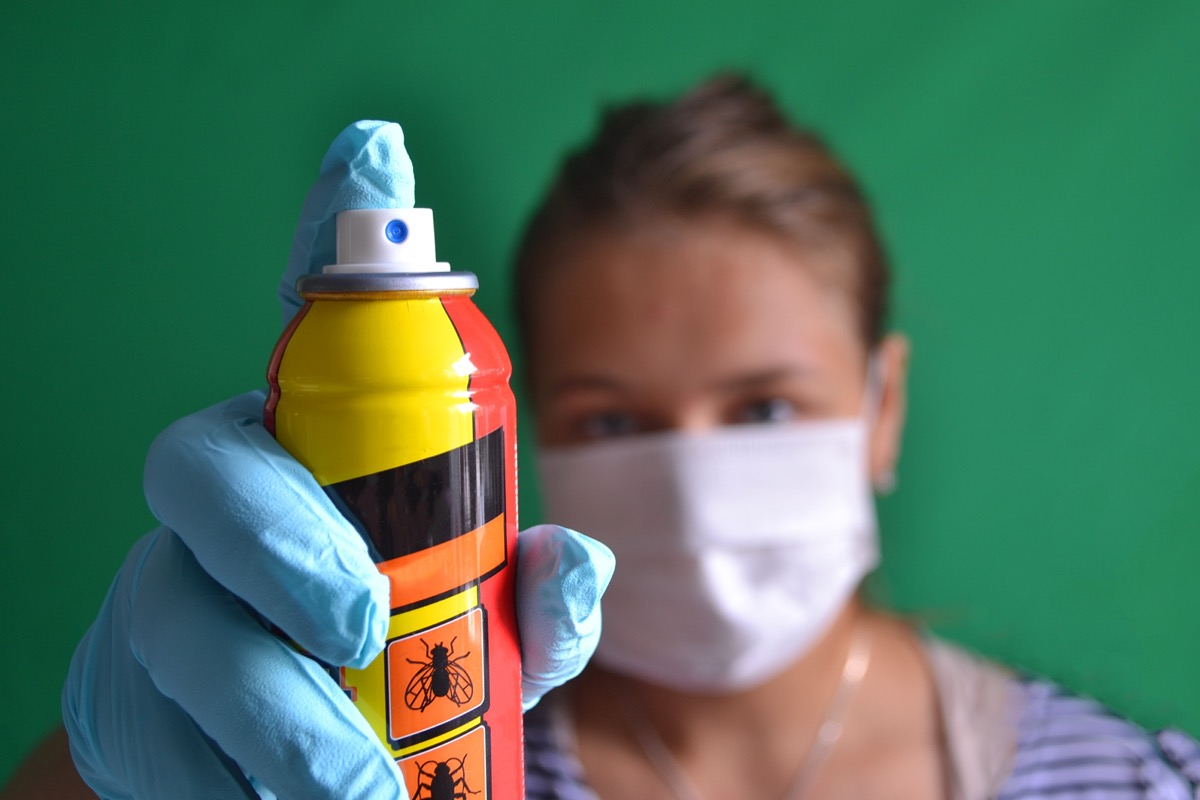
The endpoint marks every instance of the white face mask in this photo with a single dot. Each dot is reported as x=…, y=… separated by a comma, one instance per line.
x=735, y=549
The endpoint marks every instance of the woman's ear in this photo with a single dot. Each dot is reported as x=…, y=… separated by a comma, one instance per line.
x=888, y=430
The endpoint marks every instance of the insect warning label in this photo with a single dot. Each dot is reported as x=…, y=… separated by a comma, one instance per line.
x=436, y=677
x=454, y=770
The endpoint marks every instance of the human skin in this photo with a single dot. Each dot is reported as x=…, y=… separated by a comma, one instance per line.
x=696, y=325
x=48, y=772
x=692, y=325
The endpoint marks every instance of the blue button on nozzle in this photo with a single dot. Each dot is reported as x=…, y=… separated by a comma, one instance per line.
x=396, y=231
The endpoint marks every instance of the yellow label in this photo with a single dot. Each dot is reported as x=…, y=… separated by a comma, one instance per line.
x=367, y=386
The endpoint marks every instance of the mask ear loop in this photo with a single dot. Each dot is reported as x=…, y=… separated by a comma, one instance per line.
x=872, y=407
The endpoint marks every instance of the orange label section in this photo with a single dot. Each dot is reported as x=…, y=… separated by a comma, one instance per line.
x=456, y=769
x=446, y=567
x=437, y=675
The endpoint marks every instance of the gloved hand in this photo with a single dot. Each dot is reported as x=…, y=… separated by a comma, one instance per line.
x=177, y=690
x=176, y=672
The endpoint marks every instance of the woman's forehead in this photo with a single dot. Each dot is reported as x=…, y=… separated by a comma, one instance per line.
x=721, y=302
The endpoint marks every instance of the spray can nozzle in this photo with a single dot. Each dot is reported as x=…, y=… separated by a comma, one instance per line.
x=379, y=240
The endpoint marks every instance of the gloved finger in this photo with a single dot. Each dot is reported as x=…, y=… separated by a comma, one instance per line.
x=561, y=575
x=277, y=713
x=259, y=524
x=366, y=166
x=126, y=739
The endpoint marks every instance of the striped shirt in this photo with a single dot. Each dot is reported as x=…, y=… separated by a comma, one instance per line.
x=1071, y=747
x=1067, y=748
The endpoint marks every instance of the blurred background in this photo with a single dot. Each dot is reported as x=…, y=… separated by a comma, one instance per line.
x=1036, y=170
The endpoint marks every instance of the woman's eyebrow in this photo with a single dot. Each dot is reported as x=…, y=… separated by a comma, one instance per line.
x=764, y=377
x=587, y=383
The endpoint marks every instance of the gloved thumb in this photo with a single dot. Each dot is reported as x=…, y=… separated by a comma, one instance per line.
x=561, y=575
x=366, y=166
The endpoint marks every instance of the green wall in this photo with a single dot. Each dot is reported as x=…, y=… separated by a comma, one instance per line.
x=1037, y=169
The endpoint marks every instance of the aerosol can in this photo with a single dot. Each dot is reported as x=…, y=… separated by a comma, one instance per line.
x=392, y=388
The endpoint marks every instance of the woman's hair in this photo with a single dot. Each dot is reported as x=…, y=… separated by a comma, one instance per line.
x=723, y=150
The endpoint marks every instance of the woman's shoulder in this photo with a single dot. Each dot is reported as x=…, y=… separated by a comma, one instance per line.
x=1012, y=736
x=1068, y=745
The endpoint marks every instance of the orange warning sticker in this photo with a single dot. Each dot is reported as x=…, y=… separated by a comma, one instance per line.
x=447, y=567
x=455, y=769
x=436, y=676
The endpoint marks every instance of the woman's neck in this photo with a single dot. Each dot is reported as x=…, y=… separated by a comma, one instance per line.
x=754, y=741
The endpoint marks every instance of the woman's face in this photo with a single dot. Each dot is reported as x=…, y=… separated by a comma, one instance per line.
x=697, y=327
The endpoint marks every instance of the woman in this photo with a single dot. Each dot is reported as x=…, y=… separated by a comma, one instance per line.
x=702, y=300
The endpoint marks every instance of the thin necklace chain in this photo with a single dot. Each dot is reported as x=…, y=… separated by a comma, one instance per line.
x=854, y=669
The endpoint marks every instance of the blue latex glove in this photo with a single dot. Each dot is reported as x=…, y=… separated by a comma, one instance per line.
x=178, y=691
x=175, y=659
x=365, y=167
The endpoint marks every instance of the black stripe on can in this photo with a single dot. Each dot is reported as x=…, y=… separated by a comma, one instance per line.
x=409, y=508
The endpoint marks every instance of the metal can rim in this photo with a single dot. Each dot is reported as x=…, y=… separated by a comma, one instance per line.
x=341, y=283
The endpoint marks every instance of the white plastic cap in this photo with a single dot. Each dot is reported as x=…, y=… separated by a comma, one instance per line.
x=386, y=240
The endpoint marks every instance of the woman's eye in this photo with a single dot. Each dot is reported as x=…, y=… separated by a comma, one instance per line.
x=608, y=424
x=774, y=409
